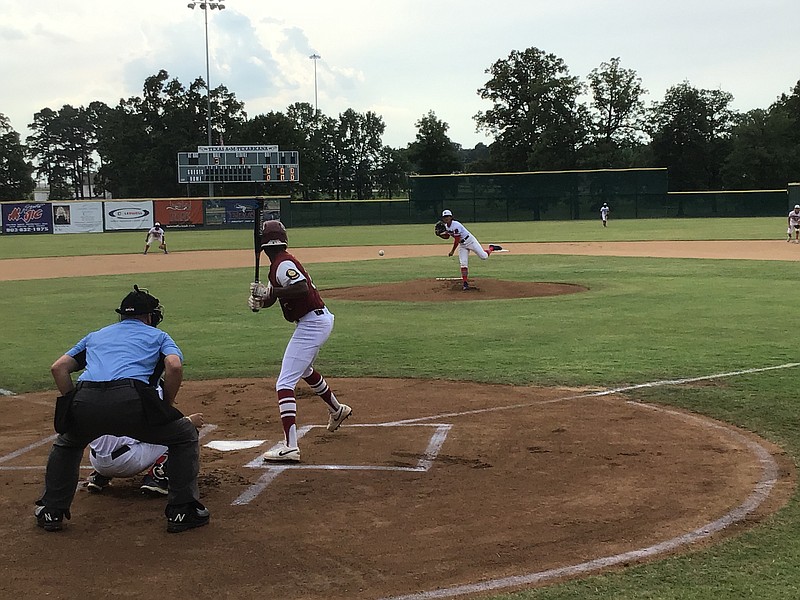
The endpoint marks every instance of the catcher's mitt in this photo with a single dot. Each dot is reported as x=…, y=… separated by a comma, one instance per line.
x=440, y=228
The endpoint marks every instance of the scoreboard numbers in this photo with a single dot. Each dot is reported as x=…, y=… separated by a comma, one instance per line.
x=238, y=164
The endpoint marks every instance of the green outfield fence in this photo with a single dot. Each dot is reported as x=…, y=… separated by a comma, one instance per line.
x=544, y=195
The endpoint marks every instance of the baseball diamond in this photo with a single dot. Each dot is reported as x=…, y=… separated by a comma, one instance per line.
x=412, y=499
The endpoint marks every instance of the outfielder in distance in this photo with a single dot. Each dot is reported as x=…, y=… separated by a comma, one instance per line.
x=464, y=241
x=291, y=286
x=604, y=210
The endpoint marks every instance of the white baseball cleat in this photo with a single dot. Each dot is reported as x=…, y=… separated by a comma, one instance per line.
x=282, y=453
x=337, y=418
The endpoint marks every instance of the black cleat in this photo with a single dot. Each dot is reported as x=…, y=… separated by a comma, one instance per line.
x=50, y=519
x=181, y=517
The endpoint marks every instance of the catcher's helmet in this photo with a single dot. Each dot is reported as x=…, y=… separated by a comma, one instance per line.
x=141, y=302
x=274, y=234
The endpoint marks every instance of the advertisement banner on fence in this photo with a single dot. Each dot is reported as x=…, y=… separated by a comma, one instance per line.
x=240, y=211
x=128, y=215
x=77, y=217
x=33, y=217
x=179, y=213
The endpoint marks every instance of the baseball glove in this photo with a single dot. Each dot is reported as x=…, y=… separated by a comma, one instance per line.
x=162, y=246
x=440, y=228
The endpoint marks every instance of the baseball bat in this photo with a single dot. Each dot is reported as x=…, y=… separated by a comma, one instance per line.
x=257, y=238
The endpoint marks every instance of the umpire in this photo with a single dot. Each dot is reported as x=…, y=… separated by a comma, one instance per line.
x=115, y=395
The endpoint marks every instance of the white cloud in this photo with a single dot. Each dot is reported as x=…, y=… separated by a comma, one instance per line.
x=399, y=59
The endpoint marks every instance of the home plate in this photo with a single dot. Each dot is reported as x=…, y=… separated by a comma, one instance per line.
x=228, y=445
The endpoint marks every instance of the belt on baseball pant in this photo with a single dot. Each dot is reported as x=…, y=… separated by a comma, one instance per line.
x=316, y=311
x=107, y=385
x=464, y=240
x=116, y=453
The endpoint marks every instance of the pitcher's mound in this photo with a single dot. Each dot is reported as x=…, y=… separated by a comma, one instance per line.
x=432, y=290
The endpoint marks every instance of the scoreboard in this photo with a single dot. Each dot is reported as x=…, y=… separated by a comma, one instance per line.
x=238, y=164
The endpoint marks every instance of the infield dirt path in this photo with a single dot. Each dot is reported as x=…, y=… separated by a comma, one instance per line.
x=120, y=264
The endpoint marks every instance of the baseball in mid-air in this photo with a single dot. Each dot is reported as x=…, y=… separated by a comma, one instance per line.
x=380, y=252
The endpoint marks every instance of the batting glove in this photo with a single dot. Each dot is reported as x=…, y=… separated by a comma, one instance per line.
x=254, y=303
x=260, y=290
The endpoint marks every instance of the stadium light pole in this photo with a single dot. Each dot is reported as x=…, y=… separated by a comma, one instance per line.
x=205, y=7
x=315, y=57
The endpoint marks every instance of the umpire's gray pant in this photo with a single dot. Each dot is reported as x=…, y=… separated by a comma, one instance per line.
x=117, y=410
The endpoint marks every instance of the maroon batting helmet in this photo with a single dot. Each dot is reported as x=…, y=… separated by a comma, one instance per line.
x=274, y=234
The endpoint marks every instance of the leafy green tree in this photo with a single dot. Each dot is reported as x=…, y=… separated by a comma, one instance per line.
x=16, y=173
x=536, y=118
x=357, y=145
x=433, y=152
x=617, y=115
x=690, y=133
x=62, y=146
x=391, y=172
x=141, y=136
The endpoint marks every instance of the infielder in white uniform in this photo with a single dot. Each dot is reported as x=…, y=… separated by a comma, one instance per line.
x=465, y=242
x=156, y=234
x=120, y=456
x=604, y=210
x=794, y=224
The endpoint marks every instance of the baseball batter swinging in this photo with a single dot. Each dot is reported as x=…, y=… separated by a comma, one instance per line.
x=465, y=242
x=291, y=286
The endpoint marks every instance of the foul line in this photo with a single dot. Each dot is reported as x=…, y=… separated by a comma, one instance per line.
x=618, y=390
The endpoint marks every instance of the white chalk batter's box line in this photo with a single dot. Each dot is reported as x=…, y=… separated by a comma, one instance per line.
x=272, y=470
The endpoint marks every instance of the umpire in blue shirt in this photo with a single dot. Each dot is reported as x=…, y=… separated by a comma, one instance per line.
x=116, y=395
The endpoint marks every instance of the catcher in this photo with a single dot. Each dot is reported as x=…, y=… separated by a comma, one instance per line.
x=464, y=241
x=156, y=234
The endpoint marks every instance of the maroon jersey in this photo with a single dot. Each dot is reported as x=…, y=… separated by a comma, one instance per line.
x=286, y=270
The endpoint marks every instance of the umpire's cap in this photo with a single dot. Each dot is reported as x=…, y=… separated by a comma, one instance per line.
x=138, y=302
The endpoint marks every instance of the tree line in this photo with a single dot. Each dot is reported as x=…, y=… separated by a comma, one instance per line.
x=540, y=118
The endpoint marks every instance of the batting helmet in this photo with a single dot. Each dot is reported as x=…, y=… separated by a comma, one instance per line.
x=274, y=234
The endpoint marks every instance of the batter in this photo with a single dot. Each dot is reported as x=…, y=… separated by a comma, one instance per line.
x=291, y=286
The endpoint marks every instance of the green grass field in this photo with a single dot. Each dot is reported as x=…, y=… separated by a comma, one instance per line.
x=642, y=320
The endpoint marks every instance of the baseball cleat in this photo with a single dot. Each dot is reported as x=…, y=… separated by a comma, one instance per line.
x=181, y=517
x=96, y=483
x=154, y=486
x=337, y=418
x=50, y=519
x=282, y=453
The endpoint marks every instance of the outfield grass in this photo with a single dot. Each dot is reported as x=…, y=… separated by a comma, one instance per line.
x=642, y=320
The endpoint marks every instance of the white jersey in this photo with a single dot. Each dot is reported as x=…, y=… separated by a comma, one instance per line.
x=604, y=212
x=466, y=243
x=155, y=233
x=794, y=218
x=457, y=229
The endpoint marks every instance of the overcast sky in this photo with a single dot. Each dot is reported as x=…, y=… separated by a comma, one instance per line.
x=399, y=59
